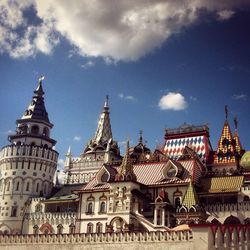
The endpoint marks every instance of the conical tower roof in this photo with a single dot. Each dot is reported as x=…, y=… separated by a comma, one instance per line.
x=190, y=198
x=36, y=110
x=125, y=171
x=225, y=151
x=103, y=132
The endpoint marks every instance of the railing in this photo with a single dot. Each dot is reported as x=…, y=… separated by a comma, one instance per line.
x=180, y=236
x=49, y=216
x=223, y=207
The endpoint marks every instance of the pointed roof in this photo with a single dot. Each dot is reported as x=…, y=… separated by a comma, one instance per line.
x=125, y=172
x=190, y=198
x=103, y=132
x=238, y=146
x=225, y=151
x=36, y=110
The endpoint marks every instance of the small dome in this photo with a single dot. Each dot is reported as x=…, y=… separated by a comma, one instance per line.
x=245, y=160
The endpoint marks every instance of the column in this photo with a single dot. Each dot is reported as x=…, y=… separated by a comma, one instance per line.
x=162, y=216
x=155, y=216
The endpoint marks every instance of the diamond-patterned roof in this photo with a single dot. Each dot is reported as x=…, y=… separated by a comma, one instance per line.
x=225, y=152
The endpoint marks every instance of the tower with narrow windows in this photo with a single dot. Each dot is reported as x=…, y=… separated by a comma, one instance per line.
x=27, y=164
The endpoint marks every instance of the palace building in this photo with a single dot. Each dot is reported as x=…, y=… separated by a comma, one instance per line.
x=184, y=184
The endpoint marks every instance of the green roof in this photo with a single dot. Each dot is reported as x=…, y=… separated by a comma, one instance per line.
x=245, y=160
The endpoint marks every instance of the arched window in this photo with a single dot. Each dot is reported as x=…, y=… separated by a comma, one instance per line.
x=60, y=229
x=90, y=228
x=90, y=208
x=17, y=186
x=35, y=130
x=71, y=228
x=38, y=208
x=90, y=205
x=13, y=211
x=45, y=132
x=99, y=227
x=45, y=189
x=8, y=186
x=102, y=207
x=177, y=202
x=37, y=187
x=27, y=186
x=35, y=229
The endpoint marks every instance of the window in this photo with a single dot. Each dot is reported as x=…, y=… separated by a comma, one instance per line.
x=45, y=132
x=177, y=202
x=71, y=228
x=37, y=187
x=59, y=229
x=13, y=211
x=45, y=189
x=17, y=186
x=27, y=186
x=8, y=186
x=35, y=130
x=90, y=228
x=90, y=209
x=36, y=229
x=103, y=207
x=38, y=208
x=99, y=227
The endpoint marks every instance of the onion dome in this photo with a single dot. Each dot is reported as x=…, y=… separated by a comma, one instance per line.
x=245, y=160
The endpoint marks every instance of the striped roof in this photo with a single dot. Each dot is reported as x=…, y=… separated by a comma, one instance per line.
x=224, y=184
x=152, y=174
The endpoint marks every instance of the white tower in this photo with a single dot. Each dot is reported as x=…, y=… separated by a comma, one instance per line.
x=27, y=165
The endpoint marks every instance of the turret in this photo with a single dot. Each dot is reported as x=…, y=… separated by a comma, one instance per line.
x=27, y=165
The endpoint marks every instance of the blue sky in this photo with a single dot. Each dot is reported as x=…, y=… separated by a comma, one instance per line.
x=193, y=56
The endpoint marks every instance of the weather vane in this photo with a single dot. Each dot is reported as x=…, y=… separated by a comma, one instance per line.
x=41, y=78
x=235, y=122
x=226, y=111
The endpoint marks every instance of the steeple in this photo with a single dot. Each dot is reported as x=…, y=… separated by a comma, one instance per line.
x=125, y=172
x=36, y=110
x=190, y=198
x=238, y=146
x=225, y=151
x=103, y=132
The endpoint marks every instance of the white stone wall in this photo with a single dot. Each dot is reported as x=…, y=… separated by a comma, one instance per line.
x=25, y=172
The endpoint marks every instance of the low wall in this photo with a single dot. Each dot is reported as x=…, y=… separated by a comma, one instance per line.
x=182, y=240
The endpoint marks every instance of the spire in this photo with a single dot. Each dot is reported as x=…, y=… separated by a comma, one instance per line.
x=225, y=151
x=68, y=158
x=190, y=198
x=140, y=137
x=36, y=109
x=103, y=132
x=236, y=138
x=226, y=111
x=125, y=171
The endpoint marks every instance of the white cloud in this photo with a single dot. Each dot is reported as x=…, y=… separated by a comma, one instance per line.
x=172, y=101
x=193, y=98
x=240, y=97
x=225, y=14
x=77, y=138
x=60, y=164
x=87, y=65
x=126, y=97
x=114, y=30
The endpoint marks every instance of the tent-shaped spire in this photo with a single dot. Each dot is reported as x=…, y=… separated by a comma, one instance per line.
x=238, y=147
x=36, y=110
x=190, y=198
x=225, y=151
x=125, y=171
x=103, y=132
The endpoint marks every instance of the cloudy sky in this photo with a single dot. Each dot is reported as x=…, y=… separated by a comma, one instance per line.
x=162, y=63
